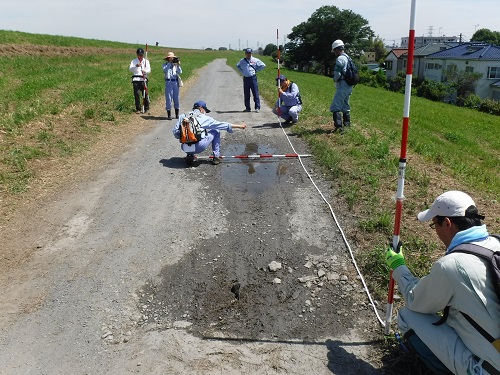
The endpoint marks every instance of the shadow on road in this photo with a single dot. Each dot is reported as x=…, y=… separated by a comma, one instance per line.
x=269, y=125
x=175, y=163
x=340, y=361
x=150, y=117
x=228, y=111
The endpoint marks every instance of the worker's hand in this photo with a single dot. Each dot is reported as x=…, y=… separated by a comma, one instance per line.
x=395, y=259
x=243, y=125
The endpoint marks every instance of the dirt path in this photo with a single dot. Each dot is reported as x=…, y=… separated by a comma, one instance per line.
x=131, y=270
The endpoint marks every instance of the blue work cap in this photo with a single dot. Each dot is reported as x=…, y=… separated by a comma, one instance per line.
x=248, y=50
x=201, y=104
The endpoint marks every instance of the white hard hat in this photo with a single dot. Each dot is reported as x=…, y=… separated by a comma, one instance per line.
x=338, y=43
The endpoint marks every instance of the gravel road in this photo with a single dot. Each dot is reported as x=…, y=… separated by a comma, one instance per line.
x=150, y=267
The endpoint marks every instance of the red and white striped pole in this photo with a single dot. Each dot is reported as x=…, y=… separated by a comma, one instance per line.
x=278, y=110
x=256, y=156
x=279, y=56
x=402, y=164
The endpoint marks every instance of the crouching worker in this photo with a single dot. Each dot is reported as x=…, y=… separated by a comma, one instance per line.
x=289, y=103
x=197, y=131
x=465, y=339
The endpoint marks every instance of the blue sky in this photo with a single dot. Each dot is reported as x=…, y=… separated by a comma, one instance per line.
x=235, y=24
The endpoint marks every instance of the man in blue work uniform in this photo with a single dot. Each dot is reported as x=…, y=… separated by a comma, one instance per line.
x=249, y=66
x=289, y=103
x=210, y=136
x=340, y=105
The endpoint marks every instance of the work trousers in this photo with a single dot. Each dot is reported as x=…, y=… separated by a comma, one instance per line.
x=171, y=95
x=212, y=137
x=288, y=112
x=251, y=84
x=340, y=102
x=138, y=95
x=442, y=345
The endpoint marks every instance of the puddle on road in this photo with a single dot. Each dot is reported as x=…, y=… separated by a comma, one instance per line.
x=252, y=175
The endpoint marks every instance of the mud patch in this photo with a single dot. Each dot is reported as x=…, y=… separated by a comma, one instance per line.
x=252, y=175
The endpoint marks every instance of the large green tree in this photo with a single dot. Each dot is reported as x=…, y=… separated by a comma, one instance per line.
x=486, y=36
x=311, y=41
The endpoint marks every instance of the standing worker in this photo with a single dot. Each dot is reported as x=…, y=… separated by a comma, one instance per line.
x=340, y=105
x=249, y=66
x=289, y=103
x=466, y=338
x=140, y=69
x=171, y=70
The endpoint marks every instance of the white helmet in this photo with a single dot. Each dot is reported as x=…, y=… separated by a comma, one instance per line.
x=338, y=43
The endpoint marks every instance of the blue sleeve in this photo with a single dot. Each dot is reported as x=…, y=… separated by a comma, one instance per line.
x=259, y=65
x=209, y=123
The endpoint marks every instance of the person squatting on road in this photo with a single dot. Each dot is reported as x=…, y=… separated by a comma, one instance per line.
x=458, y=283
x=289, y=103
x=211, y=134
x=340, y=105
x=249, y=66
x=171, y=70
x=140, y=69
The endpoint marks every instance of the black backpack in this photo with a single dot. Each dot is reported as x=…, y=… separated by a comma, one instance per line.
x=351, y=75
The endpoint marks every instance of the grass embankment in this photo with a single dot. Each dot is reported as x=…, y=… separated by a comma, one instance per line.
x=58, y=99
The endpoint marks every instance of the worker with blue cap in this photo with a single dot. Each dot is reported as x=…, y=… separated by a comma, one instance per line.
x=249, y=66
x=289, y=103
x=209, y=136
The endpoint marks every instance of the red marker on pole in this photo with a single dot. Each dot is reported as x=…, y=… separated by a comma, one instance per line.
x=402, y=164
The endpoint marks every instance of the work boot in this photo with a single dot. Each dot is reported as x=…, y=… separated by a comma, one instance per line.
x=176, y=112
x=169, y=114
x=337, y=121
x=216, y=160
x=347, y=118
x=189, y=159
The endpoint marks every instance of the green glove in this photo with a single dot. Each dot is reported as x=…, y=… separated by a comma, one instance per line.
x=395, y=259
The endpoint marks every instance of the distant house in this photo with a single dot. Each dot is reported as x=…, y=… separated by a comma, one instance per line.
x=395, y=61
x=421, y=41
x=470, y=57
x=370, y=56
x=420, y=54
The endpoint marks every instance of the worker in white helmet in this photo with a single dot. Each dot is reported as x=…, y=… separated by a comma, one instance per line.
x=340, y=105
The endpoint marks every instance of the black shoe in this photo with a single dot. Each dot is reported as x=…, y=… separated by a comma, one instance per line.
x=246, y=110
x=189, y=159
x=216, y=160
x=288, y=121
